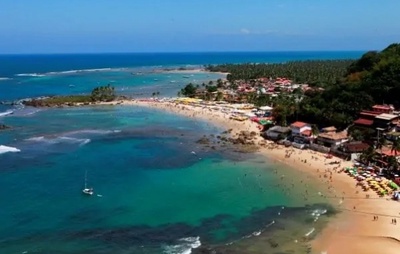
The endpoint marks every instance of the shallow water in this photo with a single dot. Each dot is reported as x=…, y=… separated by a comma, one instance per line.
x=152, y=193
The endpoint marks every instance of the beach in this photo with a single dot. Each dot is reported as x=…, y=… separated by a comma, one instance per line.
x=354, y=229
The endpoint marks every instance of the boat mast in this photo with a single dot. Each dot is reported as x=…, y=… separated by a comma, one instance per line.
x=85, y=178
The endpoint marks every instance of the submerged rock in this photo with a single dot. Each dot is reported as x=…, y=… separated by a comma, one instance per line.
x=4, y=127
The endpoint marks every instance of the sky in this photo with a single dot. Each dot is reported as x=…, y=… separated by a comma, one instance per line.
x=91, y=26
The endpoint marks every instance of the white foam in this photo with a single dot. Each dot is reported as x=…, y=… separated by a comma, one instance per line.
x=310, y=232
x=185, y=246
x=30, y=75
x=5, y=113
x=8, y=149
x=79, y=71
x=4, y=78
x=58, y=140
x=317, y=213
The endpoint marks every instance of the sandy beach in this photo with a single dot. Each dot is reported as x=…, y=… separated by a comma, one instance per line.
x=354, y=229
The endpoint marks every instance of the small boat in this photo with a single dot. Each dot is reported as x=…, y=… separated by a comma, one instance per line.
x=86, y=190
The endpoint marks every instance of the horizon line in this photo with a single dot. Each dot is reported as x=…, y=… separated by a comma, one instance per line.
x=184, y=52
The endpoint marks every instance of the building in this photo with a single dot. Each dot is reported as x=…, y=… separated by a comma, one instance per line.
x=301, y=129
x=388, y=109
x=378, y=117
x=277, y=132
x=366, y=118
x=352, y=150
x=329, y=137
x=385, y=121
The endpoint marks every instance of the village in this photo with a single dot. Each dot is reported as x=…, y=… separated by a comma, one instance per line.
x=371, y=142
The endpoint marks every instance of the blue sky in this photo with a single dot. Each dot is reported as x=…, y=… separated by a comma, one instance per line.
x=75, y=26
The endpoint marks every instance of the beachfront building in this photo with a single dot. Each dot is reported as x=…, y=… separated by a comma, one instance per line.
x=386, y=121
x=277, y=133
x=350, y=150
x=301, y=129
x=329, y=137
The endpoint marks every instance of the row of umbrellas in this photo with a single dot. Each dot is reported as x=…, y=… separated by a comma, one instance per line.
x=369, y=180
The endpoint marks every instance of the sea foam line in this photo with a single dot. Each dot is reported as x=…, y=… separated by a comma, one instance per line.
x=5, y=113
x=8, y=149
x=185, y=246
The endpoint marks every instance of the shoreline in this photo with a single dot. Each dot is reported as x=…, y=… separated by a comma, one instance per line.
x=353, y=229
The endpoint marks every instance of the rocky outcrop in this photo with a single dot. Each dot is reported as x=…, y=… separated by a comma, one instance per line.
x=4, y=127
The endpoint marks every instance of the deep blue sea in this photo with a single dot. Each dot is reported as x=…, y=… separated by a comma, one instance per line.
x=156, y=189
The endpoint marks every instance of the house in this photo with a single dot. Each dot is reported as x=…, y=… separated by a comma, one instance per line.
x=366, y=118
x=385, y=121
x=329, y=137
x=388, y=109
x=378, y=117
x=301, y=129
x=276, y=133
x=353, y=149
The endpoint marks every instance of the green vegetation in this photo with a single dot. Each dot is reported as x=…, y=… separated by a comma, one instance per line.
x=316, y=73
x=189, y=90
x=102, y=93
x=348, y=87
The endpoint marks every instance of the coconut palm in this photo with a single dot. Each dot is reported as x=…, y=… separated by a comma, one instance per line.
x=395, y=146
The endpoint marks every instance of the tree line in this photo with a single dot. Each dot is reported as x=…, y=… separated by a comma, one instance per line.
x=314, y=72
x=349, y=86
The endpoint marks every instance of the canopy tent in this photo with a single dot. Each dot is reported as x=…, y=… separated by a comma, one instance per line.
x=265, y=108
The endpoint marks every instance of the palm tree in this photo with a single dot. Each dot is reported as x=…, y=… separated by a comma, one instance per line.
x=368, y=155
x=392, y=163
x=314, y=130
x=395, y=146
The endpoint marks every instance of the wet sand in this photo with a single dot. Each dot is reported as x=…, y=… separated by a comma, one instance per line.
x=354, y=229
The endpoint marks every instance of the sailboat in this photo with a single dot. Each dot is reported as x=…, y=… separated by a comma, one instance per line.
x=86, y=190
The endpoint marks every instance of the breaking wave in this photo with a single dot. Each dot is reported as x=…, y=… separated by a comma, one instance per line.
x=184, y=246
x=5, y=113
x=53, y=73
x=4, y=78
x=8, y=149
x=58, y=140
x=30, y=75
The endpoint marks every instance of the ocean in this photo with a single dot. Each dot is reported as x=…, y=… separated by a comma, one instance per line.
x=156, y=189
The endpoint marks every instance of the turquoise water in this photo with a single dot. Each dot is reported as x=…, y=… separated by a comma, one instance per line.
x=151, y=191
x=156, y=189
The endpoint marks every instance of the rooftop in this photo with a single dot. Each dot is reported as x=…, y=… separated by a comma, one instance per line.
x=387, y=117
x=363, y=121
x=306, y=133
x=389, y=152
x=334, y=135
x=355, y=147
x=298, y=124
x=386, y=107
x=329, y=129
x=280, y=129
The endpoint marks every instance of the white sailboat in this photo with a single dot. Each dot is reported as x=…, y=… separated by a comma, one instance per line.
x=86, y=190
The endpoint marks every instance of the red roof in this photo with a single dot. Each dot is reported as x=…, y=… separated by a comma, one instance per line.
x=390, y=152
x=298, y=124
x=386, y=107
x=362, y=121
x=306, y=133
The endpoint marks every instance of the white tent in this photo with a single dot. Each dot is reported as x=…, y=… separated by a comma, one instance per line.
x=266, y=108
